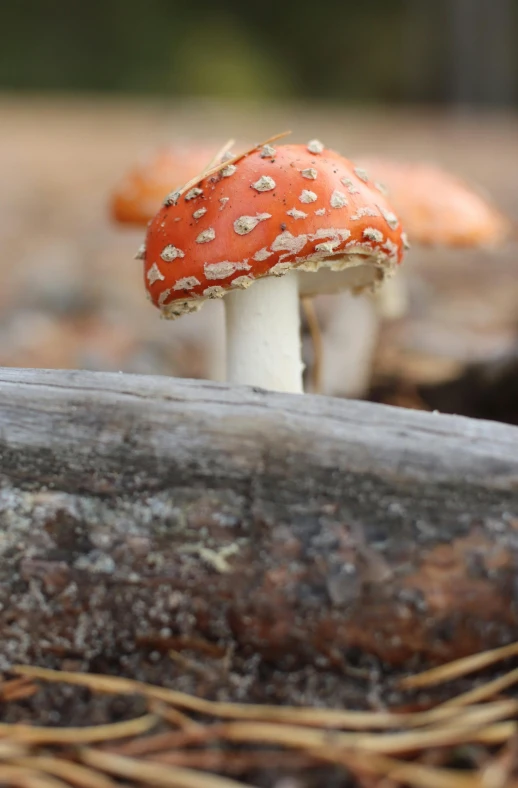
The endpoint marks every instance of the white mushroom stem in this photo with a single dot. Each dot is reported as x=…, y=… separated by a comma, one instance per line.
x=349, y=344
x=263, y=335
x=393, y=298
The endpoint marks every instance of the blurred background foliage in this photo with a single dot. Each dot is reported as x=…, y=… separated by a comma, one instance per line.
x=390, y=51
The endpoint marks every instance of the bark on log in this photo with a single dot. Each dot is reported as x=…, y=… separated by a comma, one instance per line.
x=139, y=510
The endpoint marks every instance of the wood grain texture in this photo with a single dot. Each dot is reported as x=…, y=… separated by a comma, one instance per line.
x=139, y=510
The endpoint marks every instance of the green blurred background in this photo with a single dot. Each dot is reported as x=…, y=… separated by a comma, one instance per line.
x=390, y=51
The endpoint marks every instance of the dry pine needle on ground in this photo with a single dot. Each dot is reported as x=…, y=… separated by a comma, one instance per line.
x=190, y=742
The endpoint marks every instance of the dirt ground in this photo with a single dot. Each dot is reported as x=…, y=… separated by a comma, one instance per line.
x=72, y=295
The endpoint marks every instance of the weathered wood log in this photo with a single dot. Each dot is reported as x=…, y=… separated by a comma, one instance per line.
x=135, y=511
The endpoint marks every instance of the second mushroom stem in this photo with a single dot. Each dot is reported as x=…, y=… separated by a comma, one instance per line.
x=315, y=332
x=263, y=335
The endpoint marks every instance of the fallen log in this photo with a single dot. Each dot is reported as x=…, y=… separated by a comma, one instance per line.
x=140, y=512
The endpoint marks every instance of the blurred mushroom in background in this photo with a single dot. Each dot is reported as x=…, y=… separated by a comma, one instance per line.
x=140, y=193
x=437, y=209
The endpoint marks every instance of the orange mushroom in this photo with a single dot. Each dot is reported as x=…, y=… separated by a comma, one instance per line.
x=253, y=229
x=436, y=207
x=139, y=195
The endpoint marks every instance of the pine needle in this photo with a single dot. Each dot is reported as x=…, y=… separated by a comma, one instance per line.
x=317, y=717
x=156, y=774
x=391, y=770
x=241, y=738
x=216, y=159
x=27, y=778
x=459, y=668
x=41, y=735
x=486, y=691
x=74, y=773
x=216, y=168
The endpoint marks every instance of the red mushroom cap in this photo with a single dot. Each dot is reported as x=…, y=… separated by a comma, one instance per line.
x=436, y=207
x=140, y=194
x=262, y=214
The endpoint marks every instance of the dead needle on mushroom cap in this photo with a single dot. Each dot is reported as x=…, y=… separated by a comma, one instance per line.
x=213, y=170
x=220, y=155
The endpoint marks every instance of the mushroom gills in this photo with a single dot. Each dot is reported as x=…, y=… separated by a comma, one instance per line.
x=355, y=273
